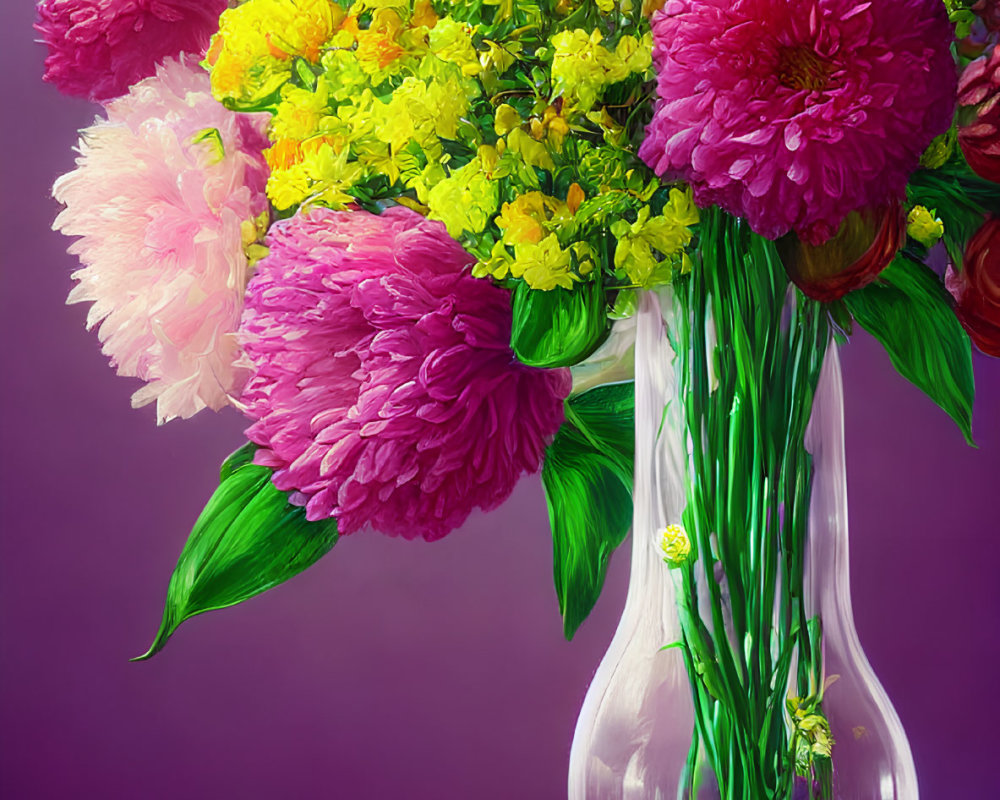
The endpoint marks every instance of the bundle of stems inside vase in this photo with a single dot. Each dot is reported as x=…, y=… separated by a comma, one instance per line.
x=752, y=654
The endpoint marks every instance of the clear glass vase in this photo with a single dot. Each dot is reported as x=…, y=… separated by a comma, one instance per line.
x=633, y=739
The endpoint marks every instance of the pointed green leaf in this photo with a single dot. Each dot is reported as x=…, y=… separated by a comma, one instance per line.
x=910, y=313
x=559, y=327
x=248, y=539
x=588, y=487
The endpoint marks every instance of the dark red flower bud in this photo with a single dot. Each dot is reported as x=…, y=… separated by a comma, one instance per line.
x=976, y=288
x=989, y=12
x=979, y=133
x=865, y=244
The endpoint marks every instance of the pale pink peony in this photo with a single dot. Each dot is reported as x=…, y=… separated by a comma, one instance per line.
x=384, y=389
x=98, y=48
x=163, y=195
x=792, y=115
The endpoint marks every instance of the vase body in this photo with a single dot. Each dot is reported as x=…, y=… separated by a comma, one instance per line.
x=634, y=736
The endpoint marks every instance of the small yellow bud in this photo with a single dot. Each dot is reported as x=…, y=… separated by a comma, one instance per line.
x=676, y=546
x=924, y=226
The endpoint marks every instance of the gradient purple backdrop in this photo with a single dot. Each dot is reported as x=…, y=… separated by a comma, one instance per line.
x=390, y=669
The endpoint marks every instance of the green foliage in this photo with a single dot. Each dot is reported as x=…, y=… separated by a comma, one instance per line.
x=588, y=486
x=558, y=327
x=910, y=313
x=960, y=198
x=248, y=538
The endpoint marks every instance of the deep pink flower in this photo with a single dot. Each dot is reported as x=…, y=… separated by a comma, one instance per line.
x=98, y=48
x=383, y=386
x=165, y=195
x=792, y=115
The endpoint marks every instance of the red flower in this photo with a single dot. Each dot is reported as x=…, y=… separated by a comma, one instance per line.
x=989, y=12
x=979, y=138
x=865, y=244
x=977, y=288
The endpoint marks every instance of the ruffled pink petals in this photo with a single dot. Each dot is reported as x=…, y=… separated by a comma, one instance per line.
x=383, y=389
x=792, y=120
x=98, y=48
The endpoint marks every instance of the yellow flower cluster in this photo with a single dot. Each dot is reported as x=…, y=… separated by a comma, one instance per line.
x=582, y=67
x=464, y=120
x=532, y=225
x=464, y=201
x=667, y=234
x=258, y=43
x=379, y=103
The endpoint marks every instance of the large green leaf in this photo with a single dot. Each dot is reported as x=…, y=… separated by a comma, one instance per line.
x=248, y=538
x=559, y=327
x=588, y=486
x=910, y=313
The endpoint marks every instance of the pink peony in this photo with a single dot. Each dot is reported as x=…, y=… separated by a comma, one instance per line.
x=792, y=115
x=98, y=48
x=384, y=389
x=163, y=197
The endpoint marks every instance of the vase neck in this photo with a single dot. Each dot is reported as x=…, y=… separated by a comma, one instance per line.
x=662, y=453
x=827, y=571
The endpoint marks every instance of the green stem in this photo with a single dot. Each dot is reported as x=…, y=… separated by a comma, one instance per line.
x=747, y=401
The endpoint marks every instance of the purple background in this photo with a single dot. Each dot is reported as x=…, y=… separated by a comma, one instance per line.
x=391, y=669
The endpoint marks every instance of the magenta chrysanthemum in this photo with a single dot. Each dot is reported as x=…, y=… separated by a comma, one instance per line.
x=164, y=197
x=792, y=115
x=384, y=389
x=98, y=48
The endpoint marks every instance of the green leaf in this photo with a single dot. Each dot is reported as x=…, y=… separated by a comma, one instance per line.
x=559, y=327
x=910, y=313
x=237, y=460
x=588, y=487
x=960, y=198
x=248, y=539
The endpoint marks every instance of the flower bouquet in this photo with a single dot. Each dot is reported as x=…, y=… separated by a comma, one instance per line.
x=427, y=247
